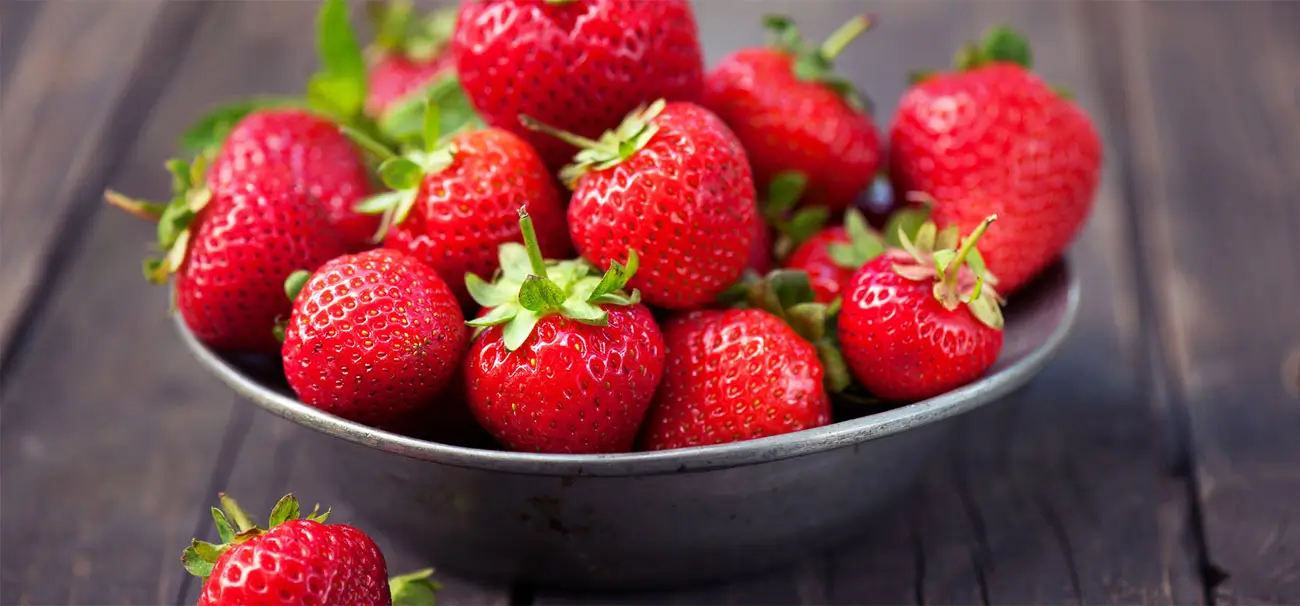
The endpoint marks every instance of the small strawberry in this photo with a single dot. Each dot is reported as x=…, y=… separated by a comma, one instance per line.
x=793, y=113
x=453, y=203
x=231, y=247
x=319, y=156
x=993, y=138
x=831, y=256
x=566, y=362
x=924, y=320
x=672, y=184
x=578, y=65
x=373, y=336
x=409, y=51
x=741, y=374
x=297, y=560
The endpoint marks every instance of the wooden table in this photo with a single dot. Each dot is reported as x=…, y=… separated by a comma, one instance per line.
x=1157, y=460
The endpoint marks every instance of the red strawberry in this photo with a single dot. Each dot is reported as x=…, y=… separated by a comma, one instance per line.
x=993, y=138
x=740, y=374
x=454, y=203
x=231, y=247
x=831, y=256
x=373, y=336
x=296, y=560
x=578, y=65
x=922, y=321
x=409, y=52
x=672, y=184
x=567, y=363
x=793, y=113
x=318, y=155
x=760, y=248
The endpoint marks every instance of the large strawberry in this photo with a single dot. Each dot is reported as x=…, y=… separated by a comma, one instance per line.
x=454, y=202
x=993, y=138
x=831, y=256
x=566, y=363
x=579, y=65
x=231, y=247
x=671, y=182
x=741, y=374
x=296, y=560
x=793, y=113
x=920, y=321
x=373, y=337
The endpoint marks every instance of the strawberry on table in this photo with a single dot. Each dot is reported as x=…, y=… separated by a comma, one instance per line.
x=297, y=560
x=924, y=320
x=672, y=183
x=566, y=361
x=231, y=246
x=792, y=112
x=992, y=138
x=578, y=65
x=373, y=336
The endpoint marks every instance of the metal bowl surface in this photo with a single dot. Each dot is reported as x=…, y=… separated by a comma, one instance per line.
x=646, y=520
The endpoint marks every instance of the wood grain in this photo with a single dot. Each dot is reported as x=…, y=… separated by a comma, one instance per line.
x=1215, y=144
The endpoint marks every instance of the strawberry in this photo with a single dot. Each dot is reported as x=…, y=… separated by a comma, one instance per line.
x=231, y=246
x=793, y=113
x=920, y=321
x=373, y=336
x=578, y=65
x=409, y=52
x=831, y=256
x=993, y=138
x=741, y=374
x=454, y=202
x=672, y=184
x=566, y=362
x=319, y=156
x=296, y=560
x=760, y=247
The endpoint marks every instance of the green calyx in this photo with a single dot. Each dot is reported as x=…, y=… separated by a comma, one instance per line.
x=613, y=147
x=528, y=288
x=864, y=243
x=955, y=266
x=788, y=295
x=403, y=121
x=793, y=227
x=190, y=195
x=403, y=174
x=999, y=44
x=400, y=29
x=414, y=589
x=908, y=220
x=235, y=527
x=817, y=64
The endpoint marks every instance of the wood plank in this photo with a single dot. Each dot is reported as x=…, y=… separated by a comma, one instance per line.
x=1216, y=143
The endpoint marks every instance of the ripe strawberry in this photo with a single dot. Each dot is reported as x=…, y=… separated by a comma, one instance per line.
x=567, y=363
x=760, y=247
x=454, y=203
x=741, y=374
x=296, y=560
x=578, y=65
x=231, y=247
x=373, y=336
x=993, y=138
x=318, y=155
x=409, y=52
x=924, y=320
x=672, y=184
x=831, y=256
x=793, y=113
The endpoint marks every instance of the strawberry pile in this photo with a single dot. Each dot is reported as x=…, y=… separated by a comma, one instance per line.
x=547, y=221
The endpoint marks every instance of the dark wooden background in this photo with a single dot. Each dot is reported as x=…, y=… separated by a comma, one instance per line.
x=1156, y=461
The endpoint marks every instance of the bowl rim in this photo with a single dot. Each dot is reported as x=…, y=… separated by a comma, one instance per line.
x=682, y=460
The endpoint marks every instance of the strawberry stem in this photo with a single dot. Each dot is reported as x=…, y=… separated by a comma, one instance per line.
x=567, y=137
x=840, y=38
x=950, y=273
x=530, y=243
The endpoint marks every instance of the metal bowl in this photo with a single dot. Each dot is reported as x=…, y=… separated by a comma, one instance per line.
x=646, y=520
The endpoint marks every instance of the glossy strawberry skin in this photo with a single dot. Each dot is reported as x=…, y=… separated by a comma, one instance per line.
x=734, y=375
x=466, y=211
x=251, y=235
x=301, y=562
x=813, y=256
x=320, y=156
x=760, y=247
x=685, y=202
x=374, y=337
x=789, y=124
x=902, y=344
x=571, y=387
x=998, y=140
x=395, y=76
x=579, y=66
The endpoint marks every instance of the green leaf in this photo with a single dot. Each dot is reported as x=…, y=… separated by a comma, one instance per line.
x=378, y=203
x=294, y=283
x=942, y=259
x=783, y=32
x=513, y=258
x=404, y=120
x=1002, y=43
x=335, y=95
x=414, y=589
x=241, y=520
x=791, y=287
x=210, y=130
x=949, y=237
x=208, y=551
x=909, y=220
x=977, y=289
x=368, y=143
x=405, y=203
x=617, y=276
x=926, y=236
x=517, y=330
x=975, y=261
x=432, y=125
x=808, y=321
x=497, y=315
x=835, y=370
x=805, y=223
x=175, y=219
x=540, y=295
x=195, y=564
x=340, y=84
x=584, y=312
x=400, y=173
x=843, y=255
x=488, y=294
x=986, y=310
x=286, y=509
x=224, y=529
x=784, y=191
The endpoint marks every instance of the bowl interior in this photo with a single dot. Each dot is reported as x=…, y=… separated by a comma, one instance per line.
x=1037, y=322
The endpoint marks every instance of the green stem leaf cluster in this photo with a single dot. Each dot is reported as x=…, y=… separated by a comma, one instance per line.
x=817, y=63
